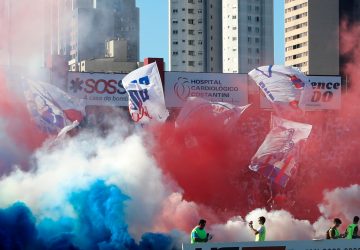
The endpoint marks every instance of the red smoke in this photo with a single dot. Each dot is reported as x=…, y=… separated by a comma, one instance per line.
x=16, y=121
x=211, y=164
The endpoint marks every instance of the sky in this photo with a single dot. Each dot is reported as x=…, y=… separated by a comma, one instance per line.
x=154, y=29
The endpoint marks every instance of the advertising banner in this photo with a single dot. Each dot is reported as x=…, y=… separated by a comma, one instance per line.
x=215, y=87
x=98, y=89
x=325, y=94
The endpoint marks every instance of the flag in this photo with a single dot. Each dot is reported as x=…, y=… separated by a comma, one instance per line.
x=196, y=106
x=146, y=96
x=282, y=85
x=278, y=156
x=52, y=108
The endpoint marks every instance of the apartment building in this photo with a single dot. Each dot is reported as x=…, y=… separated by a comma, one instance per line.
x=79, y=29
x=195, y=35
x=248, y=34
x=220, y=36
x=312, y=36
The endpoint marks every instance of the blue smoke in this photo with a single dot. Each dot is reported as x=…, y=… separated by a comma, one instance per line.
x=99, y=225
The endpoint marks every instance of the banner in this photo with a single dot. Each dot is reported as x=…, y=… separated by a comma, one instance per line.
x=214, y=87
x=146, y=96
x=324, y=94
x=278, y=156
x=98, y=89
x=51, y=108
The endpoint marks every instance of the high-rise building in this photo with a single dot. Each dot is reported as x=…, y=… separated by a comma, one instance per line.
x=195, y=35
x=79, y=29
x=248, y=34
x=220, y=36
x=312, y=36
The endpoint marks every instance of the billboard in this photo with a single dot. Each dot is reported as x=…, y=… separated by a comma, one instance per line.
x=325, y=94
x=230, y=88
x=98, y=89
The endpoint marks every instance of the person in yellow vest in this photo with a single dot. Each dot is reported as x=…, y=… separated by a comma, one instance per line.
x=260, y=233
x=198, y=234
x=333, y=232
x=352, y=230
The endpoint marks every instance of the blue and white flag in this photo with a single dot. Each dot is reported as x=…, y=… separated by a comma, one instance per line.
x=52, y=108
x=278, y=156
x=282, y=85
x=146, y=95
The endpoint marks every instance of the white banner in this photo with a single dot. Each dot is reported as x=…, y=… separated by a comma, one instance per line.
x=146, y=96
x=324, y=94
x=98, y=89
x=215, y=87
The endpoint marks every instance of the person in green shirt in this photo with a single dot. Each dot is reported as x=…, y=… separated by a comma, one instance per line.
x=260, y=233
x=198, y=234
x=352, y=230
x=333, y=232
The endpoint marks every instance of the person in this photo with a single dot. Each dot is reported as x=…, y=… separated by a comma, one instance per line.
x=352, y=230
x=198, y=234
x=260, y=233
x=333, y=232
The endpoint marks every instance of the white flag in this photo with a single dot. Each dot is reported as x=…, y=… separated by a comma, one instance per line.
x=146, y=95
x=278, y=156
x=282, y=85
x=52, y=108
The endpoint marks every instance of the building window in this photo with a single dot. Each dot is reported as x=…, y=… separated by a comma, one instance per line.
x=175, y=11
x=191, y=11
x=191, y=63
x=175, y=42
x=175, y=53
x=191, y=53
x=249, y=29
x=174, y=21
x=257, y=19
x=249, y=18
x=191, y=42
x=191, y=21
x=257, y=40
x=191, y=32
x=190, y=1
x=175, y=32
x=234, y=17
